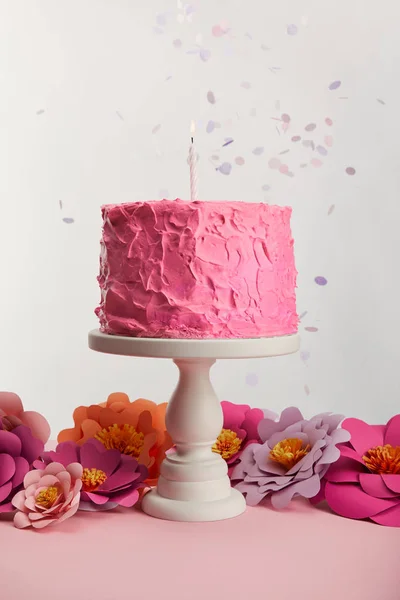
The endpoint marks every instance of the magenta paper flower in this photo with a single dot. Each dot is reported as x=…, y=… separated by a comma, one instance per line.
x=238, y=430
x=293, y=456
x=109, y=478
x=13, y=414
x=51, y=496
x=18, y=450
x=365, y=482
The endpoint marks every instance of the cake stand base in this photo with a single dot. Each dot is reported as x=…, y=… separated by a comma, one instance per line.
x=193, y=483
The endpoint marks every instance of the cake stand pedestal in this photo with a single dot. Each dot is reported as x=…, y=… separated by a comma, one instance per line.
x=193, y=483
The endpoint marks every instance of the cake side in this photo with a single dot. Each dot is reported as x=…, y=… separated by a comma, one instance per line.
x=178, y=269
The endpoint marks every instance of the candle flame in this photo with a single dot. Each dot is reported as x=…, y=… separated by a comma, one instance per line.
x=192, y=128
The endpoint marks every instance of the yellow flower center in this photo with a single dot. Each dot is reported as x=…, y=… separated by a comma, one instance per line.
x=289, y=452
x=228, y=443
x=92, y=478
x=383, y=459
x=123, y=438
x=47, y=497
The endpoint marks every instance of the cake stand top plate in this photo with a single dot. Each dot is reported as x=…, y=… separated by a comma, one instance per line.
x=178, y=348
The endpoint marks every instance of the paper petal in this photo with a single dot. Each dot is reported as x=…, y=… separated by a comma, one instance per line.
x=7, y=468
x=389, y=517
x=392, y=482
x=344, y=470
x=306, y=488
x=90, y=507
x=21, y=520
x=37, y=424
x=21, y=469
x=373, y=485
x=348, y=500
x=363, y=436
x=5, y=490
x=10, y=443
x=392, y=433
x=10, y=403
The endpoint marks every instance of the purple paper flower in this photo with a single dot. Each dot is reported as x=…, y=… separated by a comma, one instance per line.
x=294, y=455
x=18, y=450
x=109, y=478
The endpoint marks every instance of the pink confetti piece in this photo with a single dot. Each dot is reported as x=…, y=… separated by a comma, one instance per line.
x=274, y=163
x=328, y=139
x=210, y=127
x=381, y=101
x=322, y=150
x=291, y=29
x=211, y=97
x=265, y=187
x=335, y=85
x=218, y=31
x=239, y=160
x=311, y=329
x=316, y=162
x=40, y=111
x=350, y=171
x=177, y=43
x=258, y=151
x=245, y=85
x=331, y=209
x=296, y=138
x=156, y=128
x=319, y=280
x=285, y=118
x=329, y=121
x=68, y=220
x=284, y=169
x=225, y=168
x=310, y=127
x=307, y=390
x=252, y=379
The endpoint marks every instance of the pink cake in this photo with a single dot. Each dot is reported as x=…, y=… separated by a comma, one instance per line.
x=178, y=269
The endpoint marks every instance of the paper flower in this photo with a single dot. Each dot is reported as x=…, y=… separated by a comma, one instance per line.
x=109, y=478
x=294, y=455
x=13, y=414
x=365, y=482
x=238, y=430
x=135, y=428
x=50, y=496
x=18, y=450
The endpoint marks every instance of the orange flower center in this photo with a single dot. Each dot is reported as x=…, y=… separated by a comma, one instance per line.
x=228, y=443
x=47, y=497
x=289, y=452
x=92, y=478
x=383, y=459
x=123, y=438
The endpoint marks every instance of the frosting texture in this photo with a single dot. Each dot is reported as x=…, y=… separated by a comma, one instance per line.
x=179, y=269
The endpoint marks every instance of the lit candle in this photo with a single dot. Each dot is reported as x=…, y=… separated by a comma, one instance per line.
x=192, y=164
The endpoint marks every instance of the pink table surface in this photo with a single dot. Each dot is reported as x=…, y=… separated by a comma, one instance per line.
x=300, y=553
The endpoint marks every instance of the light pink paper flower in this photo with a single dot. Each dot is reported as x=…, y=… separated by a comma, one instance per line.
x=51, y=495
x=12, y=414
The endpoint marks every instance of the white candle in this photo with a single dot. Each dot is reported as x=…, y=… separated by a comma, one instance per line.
x=192, y=164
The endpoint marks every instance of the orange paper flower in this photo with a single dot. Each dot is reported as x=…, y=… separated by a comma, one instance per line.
x=135, y=428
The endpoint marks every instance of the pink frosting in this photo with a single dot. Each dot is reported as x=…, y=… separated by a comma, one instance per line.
x=178, y=269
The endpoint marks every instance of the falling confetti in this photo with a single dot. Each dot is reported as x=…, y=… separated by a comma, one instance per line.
x=60, y=204
x=40, y=111
x=329, y=122
x=227, y=142
x=350, y=171
x=204, y=54
x=284, y=169
x=246, y=85
x=68, y=220
x=258, y=151
x=266, y=187
x=335, y=85
x=381, y=101
x=307, y=390
x=217, y=31
x=285, y=118
x=177, y=43
x=210, y=126
x=310, y=127
x=303, y=314
x=320, y=280
x=296, y=138
x=211, y=97
x=215, y=157
x=239, y=160
x=156, y=128
x=322, y=150
x=274, y=163
x=252, y=379
x=161, y=20
x=304, y=355
x=291, y=29
x=284, y=152
x=328, y=139
x=331, y=209
x=316, y=162
x=225, y=168
x=119, y=115
x=311, y=329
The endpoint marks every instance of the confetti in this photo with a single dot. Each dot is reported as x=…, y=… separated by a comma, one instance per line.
x=60, y=204
x=307, y=390
x=322, y=150
x=40, y=111
x=217, y=31
x=246, y=85
x=266, y=187
x=161, y=20
x=350, y=171
x=251, y=379
x=296, y=138
x=215, y=157
x=285, y=118
x=380, y=101
x=308, y=144
x=156, y=128
x=239, y=160
x=204, y=54
x=227, y=142
x=303, y=314
x=331, y=209
x=304, y=355
x=311, y=329
x=68, y=220
x=310, y=127
x=284, y=169
x=177, y=43
x=210, y=126
x=258, y=151
x=316, y=162
x=329, y=122
x=274, y=163
x=211, y=97
x=328, y=139
x=291, y=29
x=335, y=85
x=225, y=168
x=264, y=47
x=320, y=280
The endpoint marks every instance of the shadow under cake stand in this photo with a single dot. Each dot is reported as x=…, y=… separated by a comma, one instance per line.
x=193, y=483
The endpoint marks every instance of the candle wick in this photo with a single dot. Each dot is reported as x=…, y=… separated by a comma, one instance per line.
x=192, y=140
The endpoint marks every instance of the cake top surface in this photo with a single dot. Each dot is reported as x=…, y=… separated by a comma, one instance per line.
x=179, y=201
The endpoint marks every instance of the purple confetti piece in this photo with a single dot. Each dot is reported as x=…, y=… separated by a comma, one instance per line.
x=335, y=85
x=258, y=151
x=307, y=390
x=252, y=379
x=381, y=101
x=266, y=187
x=350, y=171
x=225, y=168
x=296, y=138
x=40, y=111
x=311, y=329
x=303, y=314
x=156, y=128
x=211, y=97
x=322, y=150
x=329, y=121
x=205, y=54
x=274, y=163
x=310, y=127
x=239, y=160
x=331, y=209
x=228, y=141
x=210, y=126
x=68, y=220
x=215, y=157
x=319, y=280
x=177, y=43
x=246, y=85
x=304, y=355
x=291, y=29
x=285, y=118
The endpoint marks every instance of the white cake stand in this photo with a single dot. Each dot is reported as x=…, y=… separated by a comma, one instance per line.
x=193, y=483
